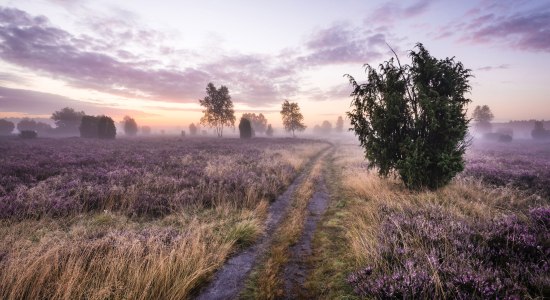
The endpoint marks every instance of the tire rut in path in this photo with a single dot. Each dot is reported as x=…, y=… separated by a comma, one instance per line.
x=229, y=280
x=296, y=270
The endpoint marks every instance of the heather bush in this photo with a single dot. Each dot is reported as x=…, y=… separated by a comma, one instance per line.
x=427, y=251
x=520, y=165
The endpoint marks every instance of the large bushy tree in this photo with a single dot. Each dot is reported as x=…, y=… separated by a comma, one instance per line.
x=67, y=120
x=6, y=127
x=27, y=124
x=412, y=120
x=218, y=111
x=97, y=127
x=293, y=120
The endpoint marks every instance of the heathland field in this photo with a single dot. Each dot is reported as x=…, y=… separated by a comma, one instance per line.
x=177, y=218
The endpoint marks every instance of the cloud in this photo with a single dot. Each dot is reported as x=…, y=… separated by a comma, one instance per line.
x=89, y=63
x=504, y=24
x=337, y=92
x=491, y=68
x=393, y=11
x=38, y=103
x=342, y=43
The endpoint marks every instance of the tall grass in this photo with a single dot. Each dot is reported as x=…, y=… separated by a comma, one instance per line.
x=135, y=243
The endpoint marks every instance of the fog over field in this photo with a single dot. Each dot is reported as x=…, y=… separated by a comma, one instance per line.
x=253, y=150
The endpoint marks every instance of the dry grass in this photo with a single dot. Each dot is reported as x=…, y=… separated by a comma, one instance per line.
x=463, y=198
x=111, y=255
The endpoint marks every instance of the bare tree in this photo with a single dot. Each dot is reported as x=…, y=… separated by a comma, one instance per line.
x=218, y=108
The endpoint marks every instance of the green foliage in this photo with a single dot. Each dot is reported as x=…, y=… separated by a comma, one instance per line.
x=412, y=119
x=130, y=126
x=218, y=108
x=293, y=120
x=245, y=128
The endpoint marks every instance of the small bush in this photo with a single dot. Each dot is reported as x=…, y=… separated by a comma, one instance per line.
x=245, y=129
x=28, y=134
x=499, y=137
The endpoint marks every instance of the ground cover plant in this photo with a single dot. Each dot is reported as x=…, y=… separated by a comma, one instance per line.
x=133, y=218
x=468, y=240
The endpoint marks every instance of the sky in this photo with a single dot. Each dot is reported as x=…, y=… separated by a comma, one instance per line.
x=152, y=60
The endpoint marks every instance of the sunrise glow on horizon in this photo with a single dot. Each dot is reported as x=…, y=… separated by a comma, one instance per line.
x=153, y=61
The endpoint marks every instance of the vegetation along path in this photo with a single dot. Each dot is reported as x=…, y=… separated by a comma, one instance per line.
x=230, y=280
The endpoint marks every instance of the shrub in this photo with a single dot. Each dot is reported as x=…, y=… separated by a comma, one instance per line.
x=28, y=134
x=499, y=137
x=539, y=132
x=97, y=127
x=6, y=127
x=245, y=129
x=412, y=119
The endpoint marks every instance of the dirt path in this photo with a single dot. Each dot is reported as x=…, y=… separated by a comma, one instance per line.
x=297, y=268
x=230, y=279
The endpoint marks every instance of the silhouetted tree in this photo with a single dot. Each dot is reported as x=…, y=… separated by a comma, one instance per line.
x=145, y=130
x=292, y=117
x=106, y=128
x=67, y=120
x=483, y=116
x=245, y=128
x=317, y=129
x=97, y=127
x=326, y=127
x=539, y=132
x=89, y=127
x=269, y=130
x=183, y=133
x=193, y=130
x=6, y=127
x=130, y=126
x=32, y=125
x=259, y=122
x=339, y=124
x=412, y=119
x=28, y=134
x=218, y=108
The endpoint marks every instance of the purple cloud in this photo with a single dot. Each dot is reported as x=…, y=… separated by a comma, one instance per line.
x=342, y=43
x=38, y=103
x=84, y=62
x=491, y=68
x=393, y=11
x=504, y=23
